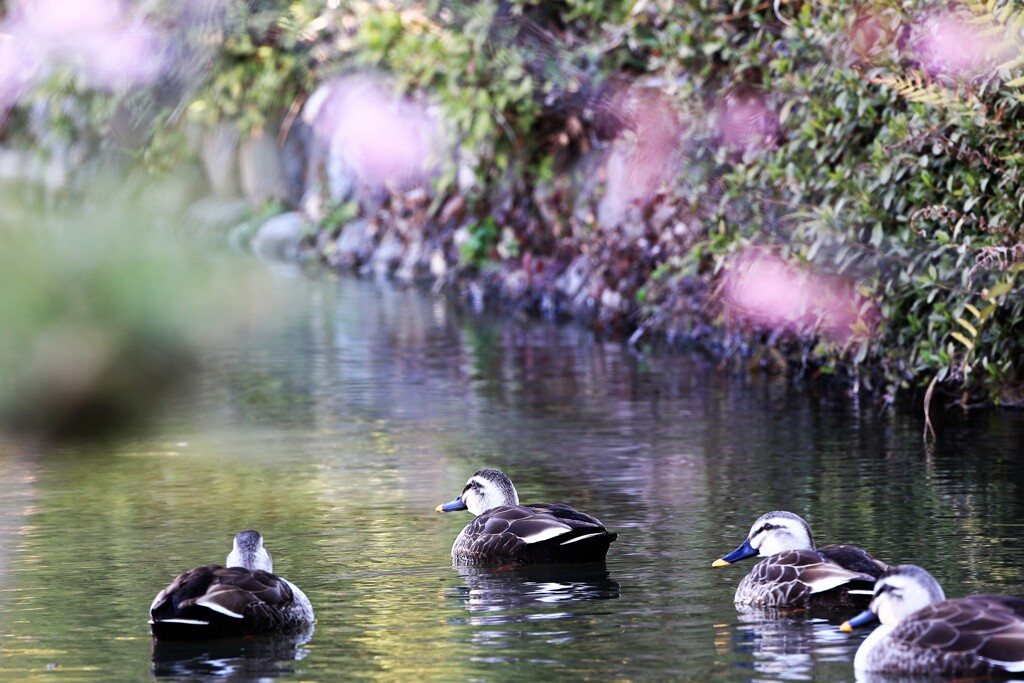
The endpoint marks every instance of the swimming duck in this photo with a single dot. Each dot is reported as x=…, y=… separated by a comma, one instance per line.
x=505, y=532
x=923, y=633
x=241, y=599
x=795, y=573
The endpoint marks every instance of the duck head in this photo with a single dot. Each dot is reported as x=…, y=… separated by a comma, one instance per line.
x=772, y=533
x=900, y=591
x=248, y=552
x=485, y=490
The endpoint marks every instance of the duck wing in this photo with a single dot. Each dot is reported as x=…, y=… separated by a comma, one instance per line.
x=854, y=558
x=216, y=601
x=795, y=578
x=527, y=534
x=986, y=627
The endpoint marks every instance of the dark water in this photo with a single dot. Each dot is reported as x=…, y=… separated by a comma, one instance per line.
x=337, y=435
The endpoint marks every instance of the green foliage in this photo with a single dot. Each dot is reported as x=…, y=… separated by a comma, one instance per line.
x=497, y=72
x=480, y=244
x=905, y=180
x=265, y=64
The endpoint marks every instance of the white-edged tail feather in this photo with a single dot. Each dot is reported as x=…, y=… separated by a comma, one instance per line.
x=580, y=538
x=1012, y=667
x=191, y=622
x=827, y=583
x=216, y=607
x=553, y=531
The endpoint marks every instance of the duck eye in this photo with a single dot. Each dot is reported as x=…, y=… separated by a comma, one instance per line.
x=767, y=527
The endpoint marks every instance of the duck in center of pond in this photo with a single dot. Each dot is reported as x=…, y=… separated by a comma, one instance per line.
x=924, y=634
x=242, y=599
x=796, y=573
x=505, y=532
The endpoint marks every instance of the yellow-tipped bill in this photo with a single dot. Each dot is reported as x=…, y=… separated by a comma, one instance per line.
x=720, y=563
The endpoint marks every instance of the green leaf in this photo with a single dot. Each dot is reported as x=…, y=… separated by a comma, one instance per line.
x=997, y=290
x=963, y=340
x=967, y=326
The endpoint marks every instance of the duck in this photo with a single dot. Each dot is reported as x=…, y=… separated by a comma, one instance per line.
x=923, y=633
x=505, y=532
x=241, y=598
x=796, y=573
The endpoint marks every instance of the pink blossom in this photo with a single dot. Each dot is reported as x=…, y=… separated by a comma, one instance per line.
x=64, y=23
x=949, y=45
x=383, y=138
x=16, y=66
x=123, y=58
x=642, y=159
x=763, y=289
x=94, y=37
x=745, y=122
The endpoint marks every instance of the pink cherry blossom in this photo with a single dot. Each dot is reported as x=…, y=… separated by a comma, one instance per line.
x=761, y=288
x=950, y=45
x=382, y=137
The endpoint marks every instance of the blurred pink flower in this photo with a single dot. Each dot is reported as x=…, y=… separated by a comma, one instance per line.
x=16, y=67
x=95, y=37
x=382, y=137
x=63, y=23
x=644, y=155
x=124, y=58
x=745, y=122
x=949, y=45
x=763, y=289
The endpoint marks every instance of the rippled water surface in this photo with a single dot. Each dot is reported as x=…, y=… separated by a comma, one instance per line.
x=337, y=435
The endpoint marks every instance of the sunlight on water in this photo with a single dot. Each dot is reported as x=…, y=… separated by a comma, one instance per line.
x=337, y=434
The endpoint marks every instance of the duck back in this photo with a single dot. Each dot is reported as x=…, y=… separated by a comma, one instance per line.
x=220, y=602
x=971, y=636
x=546, y=533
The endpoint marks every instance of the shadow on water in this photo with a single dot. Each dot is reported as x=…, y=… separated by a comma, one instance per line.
x=510, y=594
x=232, y=659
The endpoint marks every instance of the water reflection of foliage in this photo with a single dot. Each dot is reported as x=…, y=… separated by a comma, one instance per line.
x=104, y=307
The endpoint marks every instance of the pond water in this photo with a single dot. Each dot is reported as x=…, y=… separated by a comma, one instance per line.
x=337, y=434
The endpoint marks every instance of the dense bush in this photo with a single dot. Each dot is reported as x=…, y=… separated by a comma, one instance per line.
x=872, y=160
x=880, y=143
x=886, y=166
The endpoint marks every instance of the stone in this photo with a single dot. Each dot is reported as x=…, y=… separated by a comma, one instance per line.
x=218, y=151
x=261, y=170
x=354, y=245
x=280, y=237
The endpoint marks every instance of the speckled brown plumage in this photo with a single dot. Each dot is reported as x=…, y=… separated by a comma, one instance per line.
x=971, y=636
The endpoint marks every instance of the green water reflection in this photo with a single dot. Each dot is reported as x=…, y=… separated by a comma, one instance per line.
x=337, y=434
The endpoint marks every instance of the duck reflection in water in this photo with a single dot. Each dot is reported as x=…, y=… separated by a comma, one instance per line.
x=255, y=658
x=512, y=593
x=778, y=646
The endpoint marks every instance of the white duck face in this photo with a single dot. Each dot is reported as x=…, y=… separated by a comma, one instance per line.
x=903, y=590
x=485, y=490
x=248, y=552
x=772, y=533
x=779, y=531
